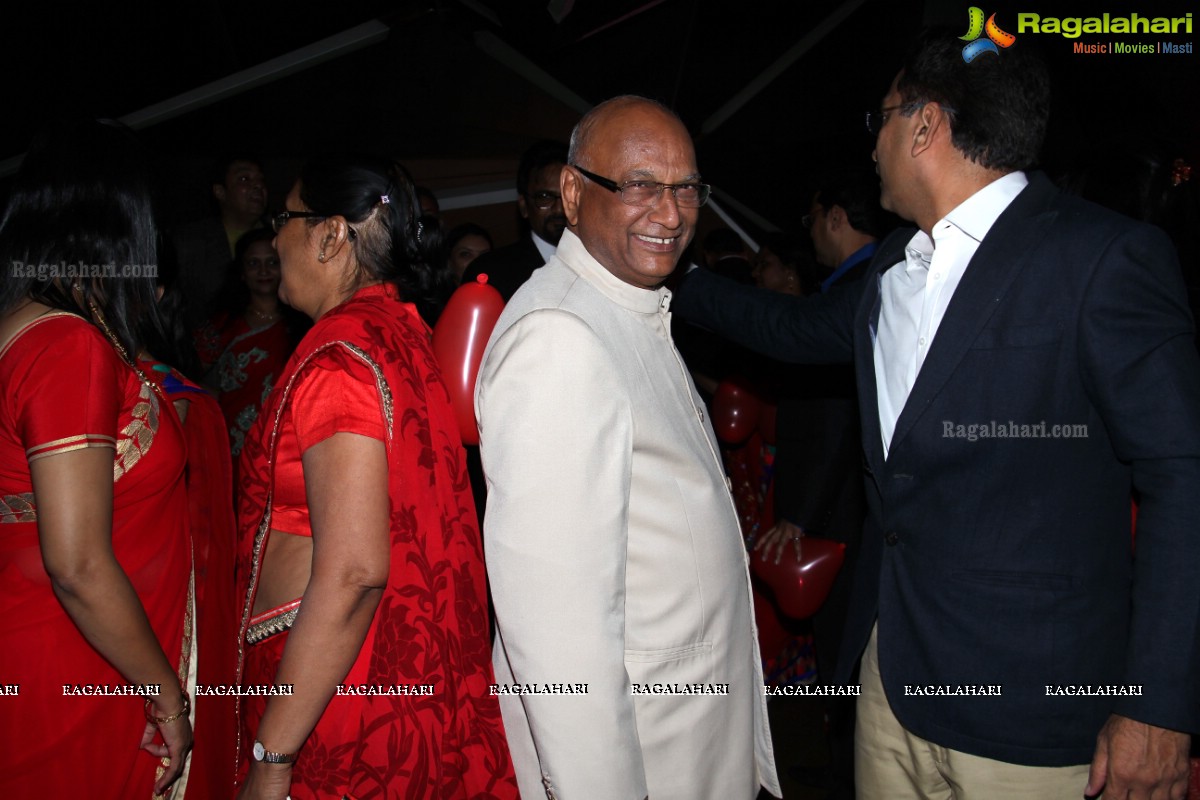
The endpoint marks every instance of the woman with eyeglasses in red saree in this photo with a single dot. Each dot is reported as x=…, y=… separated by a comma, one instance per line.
x=360, y=556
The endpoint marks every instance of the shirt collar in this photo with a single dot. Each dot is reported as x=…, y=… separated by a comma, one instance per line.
x=976, y=215
x=973, y=217
x=543, y=247
x=571, y=251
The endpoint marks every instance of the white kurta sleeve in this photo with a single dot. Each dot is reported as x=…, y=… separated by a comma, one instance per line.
x=556, y=441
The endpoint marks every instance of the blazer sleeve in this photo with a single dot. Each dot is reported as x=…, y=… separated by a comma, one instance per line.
x=1142, y=372
x=798, y=330
x=556, y=441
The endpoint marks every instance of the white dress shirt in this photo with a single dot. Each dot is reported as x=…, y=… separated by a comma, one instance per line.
x=544, y=247
x=914, y=296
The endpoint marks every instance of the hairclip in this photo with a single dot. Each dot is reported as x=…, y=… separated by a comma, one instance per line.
x=1181, y=172
x=385, y=199
x=420, y=229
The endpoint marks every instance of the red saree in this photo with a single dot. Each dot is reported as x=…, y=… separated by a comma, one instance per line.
x=431, y=625
x=245, y=362
x=65, y=389
x=214, y=538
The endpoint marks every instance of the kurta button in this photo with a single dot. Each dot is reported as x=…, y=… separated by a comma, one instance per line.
x=700, y=414
x=891, y=538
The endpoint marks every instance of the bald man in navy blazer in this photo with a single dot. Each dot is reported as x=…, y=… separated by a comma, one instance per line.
x=1025, y=363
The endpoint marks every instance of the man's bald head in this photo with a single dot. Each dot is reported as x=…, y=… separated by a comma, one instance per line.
x=628, y=142
x=582, y=137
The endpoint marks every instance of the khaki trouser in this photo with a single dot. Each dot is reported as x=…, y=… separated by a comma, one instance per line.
x=892, y=763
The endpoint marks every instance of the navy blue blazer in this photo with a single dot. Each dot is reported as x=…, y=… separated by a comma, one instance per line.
x=992, y=561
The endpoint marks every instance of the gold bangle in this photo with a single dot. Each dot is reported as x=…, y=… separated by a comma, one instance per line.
x=153, y=720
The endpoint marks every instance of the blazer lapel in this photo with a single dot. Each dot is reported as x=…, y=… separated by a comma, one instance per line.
x=1000, y=258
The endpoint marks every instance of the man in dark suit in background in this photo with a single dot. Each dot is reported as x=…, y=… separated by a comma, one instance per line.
x=1024, y=360
x=540, y=204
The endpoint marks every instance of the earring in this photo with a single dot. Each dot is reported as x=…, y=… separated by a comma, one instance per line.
x=321, y=256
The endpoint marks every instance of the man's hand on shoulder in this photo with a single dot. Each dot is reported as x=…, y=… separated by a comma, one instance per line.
x=1138, y=761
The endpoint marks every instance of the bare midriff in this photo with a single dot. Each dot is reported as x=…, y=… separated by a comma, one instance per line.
x=286, y=568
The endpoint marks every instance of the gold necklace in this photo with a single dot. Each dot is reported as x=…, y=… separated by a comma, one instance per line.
x=116, y=343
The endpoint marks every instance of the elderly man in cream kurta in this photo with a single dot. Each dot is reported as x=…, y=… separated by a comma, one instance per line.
x=626, y=653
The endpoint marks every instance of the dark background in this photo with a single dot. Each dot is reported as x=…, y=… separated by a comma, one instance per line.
x=433, y=94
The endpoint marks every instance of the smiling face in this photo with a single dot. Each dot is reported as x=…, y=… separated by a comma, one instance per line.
x=260, y=269
x=640, y=245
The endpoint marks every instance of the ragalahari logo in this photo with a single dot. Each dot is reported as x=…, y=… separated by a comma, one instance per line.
x=996, y=38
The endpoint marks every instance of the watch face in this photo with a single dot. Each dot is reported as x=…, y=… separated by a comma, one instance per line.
x=259, y=751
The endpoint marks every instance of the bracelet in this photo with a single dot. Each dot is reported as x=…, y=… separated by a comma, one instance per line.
x=183, y=712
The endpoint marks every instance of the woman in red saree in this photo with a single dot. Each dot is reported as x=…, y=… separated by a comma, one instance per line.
x=95, y=561
x=244, y=347
x=360, y=557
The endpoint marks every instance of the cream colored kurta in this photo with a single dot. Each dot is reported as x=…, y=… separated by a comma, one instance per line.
x=614, y=552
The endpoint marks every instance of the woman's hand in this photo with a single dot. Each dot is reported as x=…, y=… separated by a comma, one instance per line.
x=267, y=782
x=778, y=537
x=177, y=738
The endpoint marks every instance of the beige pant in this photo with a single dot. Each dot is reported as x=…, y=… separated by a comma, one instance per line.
x=890, y=762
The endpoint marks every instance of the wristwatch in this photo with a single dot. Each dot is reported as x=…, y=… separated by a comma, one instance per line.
x=263, y=754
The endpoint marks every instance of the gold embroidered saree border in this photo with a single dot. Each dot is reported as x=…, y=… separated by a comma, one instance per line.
x=264, y=526
x=17, y=508
x=69, y=443
x=269, y=623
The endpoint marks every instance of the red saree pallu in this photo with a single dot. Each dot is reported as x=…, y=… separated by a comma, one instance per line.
x=414, y=717
x=69, y=731
x=246, y=363
x=214, y=539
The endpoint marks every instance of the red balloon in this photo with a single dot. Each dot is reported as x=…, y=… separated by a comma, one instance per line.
x=735, y=412
x=801, y=587
x=459, y=339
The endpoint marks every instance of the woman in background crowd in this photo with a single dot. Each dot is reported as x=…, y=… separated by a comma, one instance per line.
x=464, y=244
x=244, y=347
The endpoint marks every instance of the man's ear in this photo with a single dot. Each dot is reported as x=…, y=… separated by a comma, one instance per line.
x=835, y=217
x=523, y=206
x=929, y=125
x=218, y=190
x=571, y=185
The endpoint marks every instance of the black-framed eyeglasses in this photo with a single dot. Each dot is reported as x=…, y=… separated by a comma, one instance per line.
x=808, y=219
x=877, y=119
x=544, y=201
x=281, y=219
x=648, y=193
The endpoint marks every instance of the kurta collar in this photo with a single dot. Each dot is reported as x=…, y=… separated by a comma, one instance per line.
x=644, y=301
